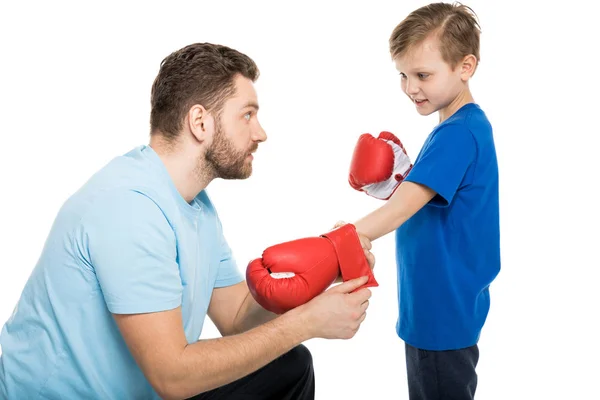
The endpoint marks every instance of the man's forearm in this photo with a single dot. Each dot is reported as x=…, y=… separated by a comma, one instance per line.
x=251, y=314
x=208, y=364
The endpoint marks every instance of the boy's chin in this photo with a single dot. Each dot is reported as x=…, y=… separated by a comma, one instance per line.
x=426, y=111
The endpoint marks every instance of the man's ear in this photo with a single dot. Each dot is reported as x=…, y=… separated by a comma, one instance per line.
x=468, y=67
x=200, y=123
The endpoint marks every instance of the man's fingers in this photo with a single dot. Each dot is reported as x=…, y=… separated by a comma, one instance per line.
x=362, y=317
x=361, y=296
x=364, y=306
x=350, y=285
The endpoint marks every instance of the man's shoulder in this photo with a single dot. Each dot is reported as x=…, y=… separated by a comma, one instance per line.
x=125, y=184
x=132, y=169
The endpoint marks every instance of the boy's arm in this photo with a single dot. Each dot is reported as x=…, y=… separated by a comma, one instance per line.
x=409, y=198
x=379, y=164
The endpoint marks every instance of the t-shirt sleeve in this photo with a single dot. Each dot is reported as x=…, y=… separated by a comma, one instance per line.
x=229, y=273
x=132, y=250
x=444, y=162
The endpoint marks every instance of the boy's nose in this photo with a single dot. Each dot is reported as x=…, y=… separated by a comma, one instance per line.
x=412, y=88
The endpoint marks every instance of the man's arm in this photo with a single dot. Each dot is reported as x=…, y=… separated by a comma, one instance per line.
x=409, y=198
x=176, y=369
x=233, y=310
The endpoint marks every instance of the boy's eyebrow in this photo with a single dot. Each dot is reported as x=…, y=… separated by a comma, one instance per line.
x=417, y=69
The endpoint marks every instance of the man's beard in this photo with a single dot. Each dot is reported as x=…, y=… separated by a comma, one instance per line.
x=225, y=161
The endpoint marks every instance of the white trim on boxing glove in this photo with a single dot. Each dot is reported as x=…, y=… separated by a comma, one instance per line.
x=402, y=166
x=282, y=275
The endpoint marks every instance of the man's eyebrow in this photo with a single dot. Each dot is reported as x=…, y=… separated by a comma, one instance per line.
x=252, y=104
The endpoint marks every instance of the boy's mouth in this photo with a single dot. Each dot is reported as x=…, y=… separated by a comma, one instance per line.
x=420, y=102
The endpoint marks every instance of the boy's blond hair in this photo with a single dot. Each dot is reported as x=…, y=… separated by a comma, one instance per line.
x=455, y=25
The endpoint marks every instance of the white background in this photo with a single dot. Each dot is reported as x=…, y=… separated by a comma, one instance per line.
x=74, y=92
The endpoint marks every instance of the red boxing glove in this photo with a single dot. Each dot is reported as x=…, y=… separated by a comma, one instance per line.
x=292, y=273
x=379, y=165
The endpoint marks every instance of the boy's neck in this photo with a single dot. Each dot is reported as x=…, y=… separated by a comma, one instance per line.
x=464, y=97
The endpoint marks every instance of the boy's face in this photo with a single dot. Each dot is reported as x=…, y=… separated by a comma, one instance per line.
x=427, y=79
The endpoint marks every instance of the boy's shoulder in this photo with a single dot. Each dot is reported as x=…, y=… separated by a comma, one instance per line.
x=470, y=118
x=468, y=114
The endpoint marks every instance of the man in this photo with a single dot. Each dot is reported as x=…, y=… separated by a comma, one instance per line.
x=137, y=258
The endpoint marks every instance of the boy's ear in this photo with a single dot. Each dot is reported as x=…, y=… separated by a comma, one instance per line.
x=468, y=67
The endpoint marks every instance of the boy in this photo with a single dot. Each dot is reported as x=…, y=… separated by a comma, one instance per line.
x=444, y=208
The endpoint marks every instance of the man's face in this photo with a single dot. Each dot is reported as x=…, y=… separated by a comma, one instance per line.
x=427, y=79
x=237, y=133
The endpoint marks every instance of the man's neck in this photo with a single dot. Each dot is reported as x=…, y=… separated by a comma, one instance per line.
x=184, y=168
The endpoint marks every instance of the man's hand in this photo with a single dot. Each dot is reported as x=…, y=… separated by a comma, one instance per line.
x=337, y=313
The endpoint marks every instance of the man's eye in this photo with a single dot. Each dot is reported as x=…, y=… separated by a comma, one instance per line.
x=248, y=115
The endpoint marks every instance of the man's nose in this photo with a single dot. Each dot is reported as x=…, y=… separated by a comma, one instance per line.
x=259, y=134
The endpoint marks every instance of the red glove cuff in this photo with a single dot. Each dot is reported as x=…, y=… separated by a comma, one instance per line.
x=351, y=257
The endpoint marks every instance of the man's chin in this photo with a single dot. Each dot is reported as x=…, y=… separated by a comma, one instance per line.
x=247, y=173
x=238, y=176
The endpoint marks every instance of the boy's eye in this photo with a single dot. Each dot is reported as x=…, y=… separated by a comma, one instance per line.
x=402, y=75
x=248, y=115
x=423, y=76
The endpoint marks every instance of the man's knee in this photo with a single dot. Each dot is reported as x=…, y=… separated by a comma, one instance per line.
x=298, y=361
x=301, y=355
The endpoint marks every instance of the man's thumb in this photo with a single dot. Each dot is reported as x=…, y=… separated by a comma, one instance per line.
x=350, y=285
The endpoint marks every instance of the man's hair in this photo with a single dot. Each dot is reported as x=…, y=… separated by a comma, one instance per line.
x=455, y=26
x=200, y=73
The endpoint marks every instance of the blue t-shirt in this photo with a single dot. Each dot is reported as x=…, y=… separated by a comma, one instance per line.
x=448, y=253
x=125, y=243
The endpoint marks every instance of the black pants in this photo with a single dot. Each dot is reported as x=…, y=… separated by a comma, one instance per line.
x=289, y=377
x=441, y=375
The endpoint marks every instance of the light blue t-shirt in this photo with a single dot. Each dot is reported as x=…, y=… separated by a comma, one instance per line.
x=127, y=242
